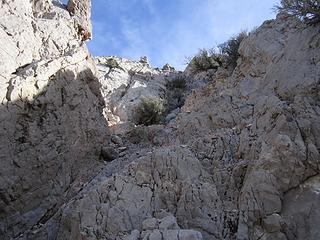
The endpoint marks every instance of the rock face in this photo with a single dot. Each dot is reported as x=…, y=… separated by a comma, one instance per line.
x=41, y=7
x=81, y=13
x=239, y=160
x=124, y=82
x=51, y=123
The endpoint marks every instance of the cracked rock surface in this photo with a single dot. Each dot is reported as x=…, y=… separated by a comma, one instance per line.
x=51, y=123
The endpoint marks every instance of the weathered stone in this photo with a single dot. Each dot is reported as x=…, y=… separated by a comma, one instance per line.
x=240, y=160
x=116, y=140
x=109, y=153
x=41, y=7
x=272, y=223
x=155, y=235
x=150, y=224
x=81, y=13
x=135, y=235
x=168, y=68
x=168, y=222
x=51, y=122
x=189, y=235
x=144, y=60
x=124, y=83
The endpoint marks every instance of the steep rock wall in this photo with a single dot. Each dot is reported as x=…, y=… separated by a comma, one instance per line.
x=52, y=127
x=241, y=161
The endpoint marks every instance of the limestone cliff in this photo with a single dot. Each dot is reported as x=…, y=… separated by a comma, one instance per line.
x=237, y=156
x=51, y=123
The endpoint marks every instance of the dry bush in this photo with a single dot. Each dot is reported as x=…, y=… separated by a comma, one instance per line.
x=149, y=111
x=230, y=49
x=204, y=61
x=307, y=10
x=178, y=82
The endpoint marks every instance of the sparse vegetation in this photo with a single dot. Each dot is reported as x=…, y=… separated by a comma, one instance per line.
x=230, y=49
x=177, y=83
x=112, y=63
x=205, y=60
x=176, y=89
x=227, y=56
x=149, y=111
x=307, y=10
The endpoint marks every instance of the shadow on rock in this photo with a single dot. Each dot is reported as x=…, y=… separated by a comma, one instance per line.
x=49, y=147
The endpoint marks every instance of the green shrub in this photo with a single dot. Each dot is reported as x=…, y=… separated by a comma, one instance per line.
x=307, y=10
x=149, y=111
x=204, y=61
x=230, y=49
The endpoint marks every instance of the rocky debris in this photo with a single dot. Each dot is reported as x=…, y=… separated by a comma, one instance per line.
x=172, y=115
x=80, y=11
x=165, y=229
x=124, y=202
x=108, y=154
x=173, y=235
x=116, y=140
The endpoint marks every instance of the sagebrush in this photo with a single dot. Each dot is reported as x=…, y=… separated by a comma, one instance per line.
x=204, y=61
x=226, y=55
x=149, y=111
x=307, y=10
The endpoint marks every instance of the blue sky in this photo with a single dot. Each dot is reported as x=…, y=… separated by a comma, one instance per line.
x=170, y=30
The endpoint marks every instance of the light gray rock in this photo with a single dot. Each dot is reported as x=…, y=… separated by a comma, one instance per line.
x=145, y=61
x=189, y=235
x=81, y=13
x=150, y=224
x=124, y=83
x=135, y=235
x=240, y=160
x=51, y=123
x=168, y=222
x=168, y=68
x=41, y=7
x=301, y=210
